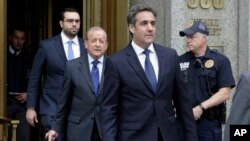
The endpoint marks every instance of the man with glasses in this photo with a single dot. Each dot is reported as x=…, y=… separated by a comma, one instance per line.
x=50, y=62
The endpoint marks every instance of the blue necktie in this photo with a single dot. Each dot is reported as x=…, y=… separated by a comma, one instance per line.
x=149, y=70
x=70, y=51
x=95, y=76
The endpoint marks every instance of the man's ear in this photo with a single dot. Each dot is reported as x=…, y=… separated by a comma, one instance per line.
x=86, y=44
x=61, y=23
x=131, y=28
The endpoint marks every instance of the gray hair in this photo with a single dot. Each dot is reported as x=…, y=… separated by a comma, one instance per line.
x=97, y=28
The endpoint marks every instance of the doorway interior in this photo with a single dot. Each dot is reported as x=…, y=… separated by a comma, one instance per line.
x=39, y=18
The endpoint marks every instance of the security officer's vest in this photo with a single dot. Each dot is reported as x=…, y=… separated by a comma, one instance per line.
x=200, y=75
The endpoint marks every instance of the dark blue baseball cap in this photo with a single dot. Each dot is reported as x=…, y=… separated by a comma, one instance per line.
x=198, y=26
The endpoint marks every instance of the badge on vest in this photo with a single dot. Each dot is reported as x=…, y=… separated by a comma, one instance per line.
x=209, y=63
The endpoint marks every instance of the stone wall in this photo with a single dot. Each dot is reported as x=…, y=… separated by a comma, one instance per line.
x=244, y=36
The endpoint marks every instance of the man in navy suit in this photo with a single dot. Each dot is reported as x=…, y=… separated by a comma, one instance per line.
x=143, y=102
x=50, y=62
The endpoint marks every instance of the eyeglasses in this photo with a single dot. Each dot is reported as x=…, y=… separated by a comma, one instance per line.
x=72, y=20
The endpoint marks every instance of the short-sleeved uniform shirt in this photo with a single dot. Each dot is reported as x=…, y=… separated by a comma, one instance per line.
x=205, y=75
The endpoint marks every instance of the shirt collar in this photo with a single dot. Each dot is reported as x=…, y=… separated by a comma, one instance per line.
x=207, y=54
x=91, y=59
x=65, y=39
x=13, y=51
x=139, y=50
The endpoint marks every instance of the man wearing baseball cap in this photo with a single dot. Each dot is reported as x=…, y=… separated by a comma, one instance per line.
x=208, y=75
x=197, y=26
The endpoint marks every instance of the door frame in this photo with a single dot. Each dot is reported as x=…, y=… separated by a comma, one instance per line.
x=3, y=44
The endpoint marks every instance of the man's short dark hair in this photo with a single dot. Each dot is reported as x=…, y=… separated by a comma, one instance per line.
x=68, y=9
x=16, y=28
x=136, y=9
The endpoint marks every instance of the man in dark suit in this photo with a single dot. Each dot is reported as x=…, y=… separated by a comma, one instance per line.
x=240, y=111
x=79, y=103
x=142, y=88
x=50, y=62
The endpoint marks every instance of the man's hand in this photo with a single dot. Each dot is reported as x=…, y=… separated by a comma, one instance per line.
x=197, y=111
x=22, y=97
x=31, y=117
x=51, y=135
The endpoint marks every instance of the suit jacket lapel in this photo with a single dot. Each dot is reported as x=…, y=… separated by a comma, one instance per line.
x=59, y=47
x=82, y=47
x=85, y=70
x=161, y=62
x=102, y=78
x=136, y=65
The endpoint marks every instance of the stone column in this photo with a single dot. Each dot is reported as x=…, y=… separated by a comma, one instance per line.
x=244, y=36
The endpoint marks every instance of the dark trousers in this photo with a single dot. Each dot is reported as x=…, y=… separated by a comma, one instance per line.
x=209, y=130
x=16, y=110
x=95, y=134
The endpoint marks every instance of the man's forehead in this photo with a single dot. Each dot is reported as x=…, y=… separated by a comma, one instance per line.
x=145, y=13
x=145, y=17
x=72, y=15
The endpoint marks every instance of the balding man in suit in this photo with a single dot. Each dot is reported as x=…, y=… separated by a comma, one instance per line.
x=79, y=104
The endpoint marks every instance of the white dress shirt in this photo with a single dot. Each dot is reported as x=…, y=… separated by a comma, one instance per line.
x=75, y=45
x=152, y=56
